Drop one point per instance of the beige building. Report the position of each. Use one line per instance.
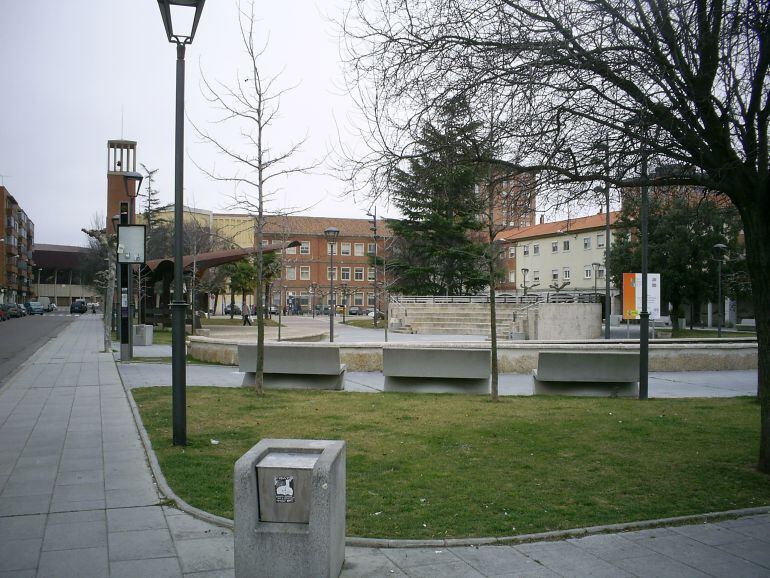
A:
(567, 254)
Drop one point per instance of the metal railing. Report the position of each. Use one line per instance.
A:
(539, 297)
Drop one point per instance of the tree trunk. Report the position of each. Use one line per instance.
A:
(757, 236)
(493, 327)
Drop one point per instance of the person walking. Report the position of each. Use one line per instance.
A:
(246, 312)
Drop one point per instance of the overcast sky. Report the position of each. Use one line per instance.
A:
(72, 70)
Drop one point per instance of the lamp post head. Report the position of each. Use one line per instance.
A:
(132, 177)
(331, 234)
(524, 271)
(180, 19)
(720, 248)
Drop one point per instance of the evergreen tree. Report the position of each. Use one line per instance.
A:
(434, 251)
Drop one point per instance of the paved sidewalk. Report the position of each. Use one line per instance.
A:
(77, 499)
(76, 494)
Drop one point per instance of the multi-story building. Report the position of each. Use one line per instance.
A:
(568, 254)
(306, 271)
(17, 235)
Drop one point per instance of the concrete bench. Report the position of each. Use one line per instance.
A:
(430, 370)
(293, 366)
(747, 325)
(587, 373)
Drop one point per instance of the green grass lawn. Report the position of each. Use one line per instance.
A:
(365, 322)
(434, 466)
(699, 334)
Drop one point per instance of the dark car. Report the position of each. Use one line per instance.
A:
(3, 313)
(33, 308)
(78, 306)
(354, 310)
(234, 308)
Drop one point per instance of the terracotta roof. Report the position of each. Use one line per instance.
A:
(554, 227)
(205, 260)
(295, 225)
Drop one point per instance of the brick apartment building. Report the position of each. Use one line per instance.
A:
(305, 272)
(17, 236)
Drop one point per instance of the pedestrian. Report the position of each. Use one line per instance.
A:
(246, 315)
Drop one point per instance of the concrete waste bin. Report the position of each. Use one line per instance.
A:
(143, 334)
(290, 509)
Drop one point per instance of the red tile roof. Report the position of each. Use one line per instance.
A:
(554, 227)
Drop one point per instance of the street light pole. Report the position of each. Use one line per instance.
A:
(524, 272)
(719, 250)
(331, 235)
(178, 306)
(644, 315)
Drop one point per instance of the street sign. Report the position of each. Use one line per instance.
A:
(131, 243)
(632, 295)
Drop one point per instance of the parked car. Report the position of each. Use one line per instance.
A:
(354, 310)
(51, 307)
(33, 308)
(78, 306)
(13, 310)
(235, 310)
(3, 313)
(272, 310)
(380, 314)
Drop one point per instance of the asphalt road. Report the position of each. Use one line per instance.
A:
(20, 338)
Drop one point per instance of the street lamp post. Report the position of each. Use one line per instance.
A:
(719, 251)
(606, 190)
(313, 289)
(524, 273)
(173, 13)
(596, 266)
(331, 235)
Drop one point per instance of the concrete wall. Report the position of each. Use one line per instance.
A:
(521, 356)
(563, 321)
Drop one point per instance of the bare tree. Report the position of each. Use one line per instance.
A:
(104, 248)
(669, 81)
(253, 104)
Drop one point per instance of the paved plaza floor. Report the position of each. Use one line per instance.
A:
(77, 497)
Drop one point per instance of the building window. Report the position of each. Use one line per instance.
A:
(358, 274)
(345, 274)
(535, 276)
(291, 273)
(555, 247)
(511, 276)
(330, 272)
(304, 248)
(370, 274)
(565, 245)
(358, 299)
(370, 249)
(600, 273)
(291, 250)
(304, 273)
(525, 250)
(600, 241)
(587, 273)
(586, 242)
(345, 249)
(304, 299)
(565, 273)
(511, 252)
(358, 249)
(331, 248)
(554, 274)
(370, 299)
(536, 249)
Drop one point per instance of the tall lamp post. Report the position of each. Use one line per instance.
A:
(331, 235)
(175, 14)
(596, 266)
(313, 289)
(524, 273)
(719, 250)
(606, 190)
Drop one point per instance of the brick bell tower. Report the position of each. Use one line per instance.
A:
(121, 159)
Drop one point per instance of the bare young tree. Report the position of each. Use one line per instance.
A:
(664, 81)
(253, 105)
(104, 248)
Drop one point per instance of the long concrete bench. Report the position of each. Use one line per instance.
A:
(430, 370)
(293, 366)
(583, 373)
(747, 325)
